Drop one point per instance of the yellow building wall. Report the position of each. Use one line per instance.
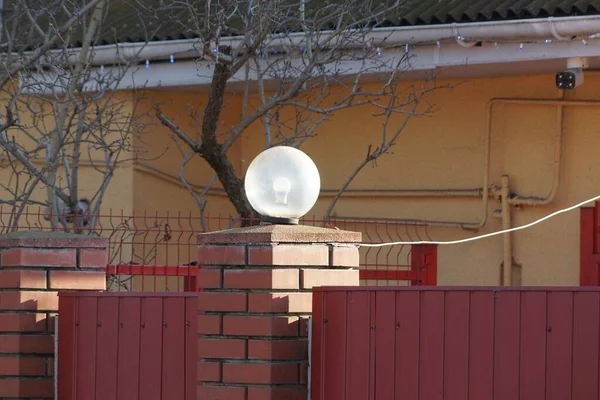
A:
(441, 151)
(119, 196)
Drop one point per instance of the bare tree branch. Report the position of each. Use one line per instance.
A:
(295, 59)
(62, 116)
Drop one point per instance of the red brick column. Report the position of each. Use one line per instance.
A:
(34, 266)
(255, 305)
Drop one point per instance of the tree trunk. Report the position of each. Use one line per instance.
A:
(212, 151)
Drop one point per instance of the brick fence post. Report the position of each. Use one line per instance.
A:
(255, 302)
(34, 266)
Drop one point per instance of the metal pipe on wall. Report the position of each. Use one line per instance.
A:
(507, 239)
(360, 192)
(537, 201)
(487, 189)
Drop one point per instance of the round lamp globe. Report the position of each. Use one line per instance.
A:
(282, 184)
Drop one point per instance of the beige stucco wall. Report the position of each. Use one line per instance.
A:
(119, 195)
(442, 151)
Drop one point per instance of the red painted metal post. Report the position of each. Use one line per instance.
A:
(316, 357)
(66, 347)
(430, 278)
(423, 265)
(589, 270)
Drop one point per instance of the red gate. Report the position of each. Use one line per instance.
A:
(127, 346)
(590, 246)
(420, 343)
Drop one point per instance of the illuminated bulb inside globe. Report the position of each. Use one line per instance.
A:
(281, 187)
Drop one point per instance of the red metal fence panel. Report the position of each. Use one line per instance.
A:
(127, 346)
(424, 343)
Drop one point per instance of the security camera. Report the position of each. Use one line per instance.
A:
(573, 75)
(569, 78)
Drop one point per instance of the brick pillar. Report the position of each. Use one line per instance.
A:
(255, 305)
(34, 266)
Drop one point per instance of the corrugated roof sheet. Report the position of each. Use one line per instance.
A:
(158, 20)
(428, 12)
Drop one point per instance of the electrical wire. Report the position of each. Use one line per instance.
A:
(487, 235)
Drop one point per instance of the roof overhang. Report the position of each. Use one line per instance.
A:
(452, 50)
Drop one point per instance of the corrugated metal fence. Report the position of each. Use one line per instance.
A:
(127, 346)
(423, 343)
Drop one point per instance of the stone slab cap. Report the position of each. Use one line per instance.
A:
(47, 239)
(279, 234)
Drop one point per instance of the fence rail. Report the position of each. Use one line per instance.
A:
(155, 250)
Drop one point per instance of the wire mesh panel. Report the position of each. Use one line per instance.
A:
(157, 251)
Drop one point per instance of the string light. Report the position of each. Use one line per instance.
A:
(378, 50)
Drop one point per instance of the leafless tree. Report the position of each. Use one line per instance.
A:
(301, 62)
(61, 113)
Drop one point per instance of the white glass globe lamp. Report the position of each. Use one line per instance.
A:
(282, 184)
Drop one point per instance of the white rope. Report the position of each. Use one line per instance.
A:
(487, 235)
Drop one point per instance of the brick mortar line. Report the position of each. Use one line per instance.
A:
(40, 311)
(28, 355)
(38, 290)
(25, 289)
(26, 334)
(51, 268)
(28, 398)
(17, 246)
(23, 377)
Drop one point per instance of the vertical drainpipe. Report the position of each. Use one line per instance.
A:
(506, 224)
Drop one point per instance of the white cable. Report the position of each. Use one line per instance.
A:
(487, 235)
